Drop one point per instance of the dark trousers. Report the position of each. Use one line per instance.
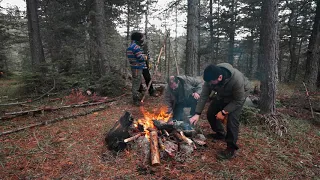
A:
(147, 78)
(178, 108)
(232, 122)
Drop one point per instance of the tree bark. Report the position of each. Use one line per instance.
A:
(268, 55)
(101, 36)
(36, 47)
(192, 37)
(312, 66)
(292, 23)
(232, 33)
(211, 34)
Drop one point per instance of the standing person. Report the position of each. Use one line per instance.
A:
(232, 88)
(181, 92)
(147, 78)
(137, 62)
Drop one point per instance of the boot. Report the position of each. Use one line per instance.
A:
(218, 136)
(228, 153)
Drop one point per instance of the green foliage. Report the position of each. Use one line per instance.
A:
(249, 116)
(111, 85)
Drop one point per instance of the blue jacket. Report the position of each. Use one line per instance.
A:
(136, 57)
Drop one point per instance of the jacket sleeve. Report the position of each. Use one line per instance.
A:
(196, 84)
(203, 98)
(138, 53)
(239, 96)
(168, 100)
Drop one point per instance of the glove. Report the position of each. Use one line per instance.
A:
(222, 116)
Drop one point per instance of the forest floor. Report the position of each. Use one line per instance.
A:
(74, 148)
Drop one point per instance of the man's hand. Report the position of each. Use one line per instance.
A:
(194, 119)
(221, 115)
(196, 95)
(146, 57)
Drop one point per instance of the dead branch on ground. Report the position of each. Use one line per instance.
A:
(11, 115)
(54, 120)
(32, 100)
(307, 93)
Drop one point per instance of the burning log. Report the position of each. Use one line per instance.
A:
(133, 137)
(154, 148)
(182, 137)
(119, 132)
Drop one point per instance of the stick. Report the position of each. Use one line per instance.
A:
(185, 139)
(166, 132)
(133, 137)
(154, 149)
(11, 115)
(182, 137)
(54, 120)
(308, 99)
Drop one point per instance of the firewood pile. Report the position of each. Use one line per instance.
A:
(156, 136)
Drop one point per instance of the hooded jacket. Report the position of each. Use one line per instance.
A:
(187, 85)
(233, 90)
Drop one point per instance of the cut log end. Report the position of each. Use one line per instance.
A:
(154, 148)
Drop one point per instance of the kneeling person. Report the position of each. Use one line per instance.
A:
(181, 92)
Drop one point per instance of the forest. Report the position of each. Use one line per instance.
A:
(65, 81)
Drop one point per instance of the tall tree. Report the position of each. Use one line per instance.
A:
(312, 63)
(268, 54)
(210, 19)
(232, 30)
(101, 36)
(35, 41)
(192, 45)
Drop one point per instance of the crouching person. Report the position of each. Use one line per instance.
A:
(232, 88)
(182, 91)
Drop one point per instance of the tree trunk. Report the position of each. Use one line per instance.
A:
(128, 30)
(269, 55)
(101, 36)
(211, 34)
(36, 47)
(232, 33)
(292, 45)
(312, 66)
(218, 33)
(250, 68)
(192, 37)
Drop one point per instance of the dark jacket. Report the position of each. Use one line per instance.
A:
(188, 85)
(232, 91)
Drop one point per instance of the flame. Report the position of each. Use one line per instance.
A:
(147, 122)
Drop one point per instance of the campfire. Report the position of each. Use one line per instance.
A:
(157, 132)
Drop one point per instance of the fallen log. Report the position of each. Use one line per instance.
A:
(154, 148)
(11, 115)
(54, 120)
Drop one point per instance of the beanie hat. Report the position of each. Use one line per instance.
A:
(211, 72)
